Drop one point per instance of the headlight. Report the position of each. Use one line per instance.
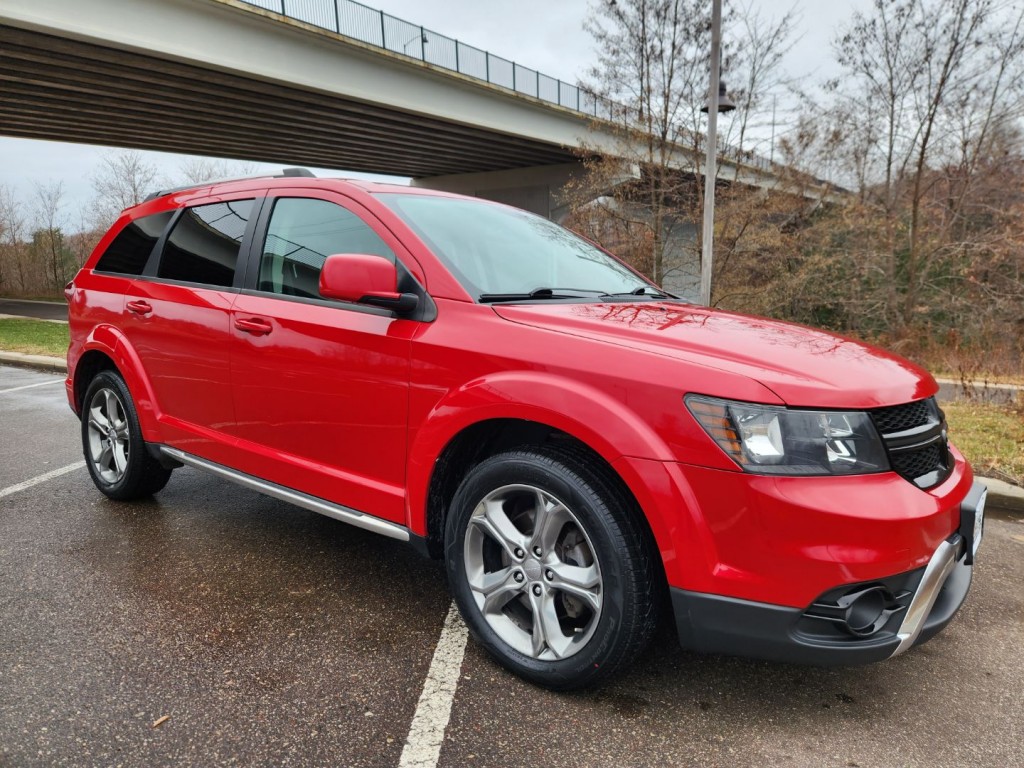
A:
(772, 440)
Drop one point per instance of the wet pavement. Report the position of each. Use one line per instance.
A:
(269, 635)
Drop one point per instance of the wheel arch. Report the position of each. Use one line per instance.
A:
(496, 414)
(107, 349)
(89, 364)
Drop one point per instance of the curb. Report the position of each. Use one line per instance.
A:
(39, 362)
(51, 302)
(982, 384)
(26, 317)
(1001, 495)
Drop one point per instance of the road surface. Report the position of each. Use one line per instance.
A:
(41, 310)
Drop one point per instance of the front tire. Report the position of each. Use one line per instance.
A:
(115, 452)
(550, 567)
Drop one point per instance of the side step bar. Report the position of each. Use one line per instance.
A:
(312, 503)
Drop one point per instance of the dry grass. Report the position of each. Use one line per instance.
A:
(990, 436)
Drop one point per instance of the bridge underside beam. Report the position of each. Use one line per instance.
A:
(70, 90)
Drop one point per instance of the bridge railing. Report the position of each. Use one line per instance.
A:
(374, 27)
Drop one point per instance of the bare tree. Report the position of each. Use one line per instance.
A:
(756, 74)
(123, 179)
(197, 170)
(83, 238)
(653, 61)
(936, 78)
(48, 238)
(647, 62)
(925, 125)
(12, 237)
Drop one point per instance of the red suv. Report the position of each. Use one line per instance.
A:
(585, 452)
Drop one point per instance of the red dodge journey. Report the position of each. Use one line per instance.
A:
(587, 453)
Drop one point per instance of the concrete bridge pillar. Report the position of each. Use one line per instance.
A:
(539, 189)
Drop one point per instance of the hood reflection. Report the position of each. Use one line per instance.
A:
(802, 365)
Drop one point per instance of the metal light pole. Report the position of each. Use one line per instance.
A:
(710, 171)
(423, 41)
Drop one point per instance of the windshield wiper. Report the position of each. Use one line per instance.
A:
(536, 293)
(643, 290)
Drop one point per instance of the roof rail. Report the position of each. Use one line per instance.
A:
(285, 173)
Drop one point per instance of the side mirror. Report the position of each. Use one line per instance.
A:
(363, 278)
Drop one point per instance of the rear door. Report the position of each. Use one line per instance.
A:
(177, 319)
(320, 386)
(100, 300)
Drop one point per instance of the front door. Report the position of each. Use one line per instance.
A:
(320, 387)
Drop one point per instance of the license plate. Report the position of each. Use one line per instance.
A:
(979, 522)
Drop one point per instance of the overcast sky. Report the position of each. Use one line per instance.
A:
(541, 34)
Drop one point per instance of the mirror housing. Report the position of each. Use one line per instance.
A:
(364, 278)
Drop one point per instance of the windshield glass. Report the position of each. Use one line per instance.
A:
(494, 250)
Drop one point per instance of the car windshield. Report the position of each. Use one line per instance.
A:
(501, 253)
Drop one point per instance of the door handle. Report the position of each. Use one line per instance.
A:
(139, 307)
(254, 325)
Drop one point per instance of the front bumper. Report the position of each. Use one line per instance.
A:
(918, 605)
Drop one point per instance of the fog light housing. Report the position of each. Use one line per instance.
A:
(861, 613)
(866, 611)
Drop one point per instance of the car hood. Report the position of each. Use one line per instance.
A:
(803, 366)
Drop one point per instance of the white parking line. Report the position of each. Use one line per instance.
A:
(423, 745)
(29, 386)
(41, 478)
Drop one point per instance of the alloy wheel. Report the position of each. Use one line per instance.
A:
(533, 572)
(108, 436)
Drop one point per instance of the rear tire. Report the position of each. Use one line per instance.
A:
(551, 568)
(115, 453)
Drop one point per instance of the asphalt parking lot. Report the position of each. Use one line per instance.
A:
(41, 310)
(268, 635)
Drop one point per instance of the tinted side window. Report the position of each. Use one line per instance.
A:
(203, 246)
(129, 251)
(301, 235)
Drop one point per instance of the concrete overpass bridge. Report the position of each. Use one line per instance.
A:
(325, 83)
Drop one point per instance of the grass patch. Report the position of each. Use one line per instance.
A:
(33, 337)
(990, 436)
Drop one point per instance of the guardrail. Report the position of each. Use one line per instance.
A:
(374, 27)
(368, 25)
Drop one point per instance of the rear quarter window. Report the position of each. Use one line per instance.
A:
(128, 253)
(204, 244)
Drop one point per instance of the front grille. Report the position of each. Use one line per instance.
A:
(915, 439)
(902, 417)
(914, 464)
